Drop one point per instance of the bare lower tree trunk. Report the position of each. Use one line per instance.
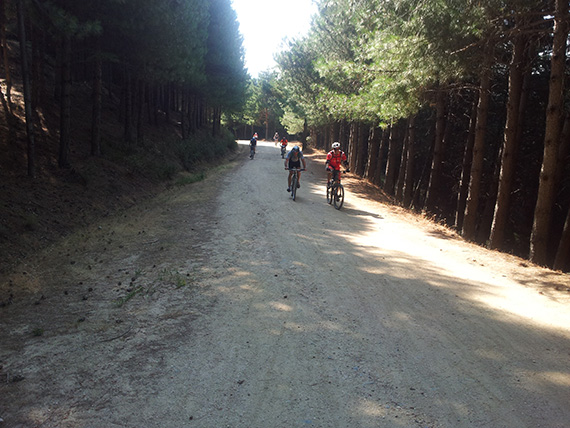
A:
(362, 143)
(486, 221)
(97, 101)
(563, 253)
(438, 154)
(472, 209)
(65, 110)
(403, 164)
(544, 203)
(140, 102)
(410, 164)
(11, 121)
(510, 144)
(128, 108)
(394, 150)
(374, 144)
(466, 171)
(352, 148)
(380, 168)
(27, 95)
(5, 58)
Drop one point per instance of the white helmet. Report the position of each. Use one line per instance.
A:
(336, 145)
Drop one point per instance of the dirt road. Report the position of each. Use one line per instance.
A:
(226, 304)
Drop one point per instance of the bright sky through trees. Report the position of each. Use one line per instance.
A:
(265, 23)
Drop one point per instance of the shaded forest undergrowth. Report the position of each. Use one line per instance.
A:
(36, 212)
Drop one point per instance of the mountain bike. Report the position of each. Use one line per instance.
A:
(335, 190)
(294, 181)
(251, 151)
(283, 150)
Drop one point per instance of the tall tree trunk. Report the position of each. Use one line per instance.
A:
(140, 103)
(466, 171)
(11, 121)
(5, 57)
(38, 54)
(562, 257)
(217, 121)
(403, 165)
(65, 106)
(472, 209)
(484, 229)
(563, 254)
(342, 138)
(362, 142)
(380, 167)
(27, 96)
(97, 100)
(410, 163)
(128, 107)
(510, 144)
(434, 190)
(394, 150)
(266, 124)
(543, 209)
(184, 115)
(352, 148)
(374, 144)
(563, 150)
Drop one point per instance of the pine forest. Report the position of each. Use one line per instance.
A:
(456, 109)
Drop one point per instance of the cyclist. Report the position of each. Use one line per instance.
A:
(276, 138)
(252, 145)
(335, 158)
(284, 143)
(293, 160)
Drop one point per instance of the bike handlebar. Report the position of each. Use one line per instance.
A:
(295, 169)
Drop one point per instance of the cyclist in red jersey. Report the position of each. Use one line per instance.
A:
(335, 158)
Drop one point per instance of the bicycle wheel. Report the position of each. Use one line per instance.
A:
(294, 186)
(338, 196)
(329, 193)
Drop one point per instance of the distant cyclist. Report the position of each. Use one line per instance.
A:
(252, 145)
(276, 138)
(284, 143)
(335, 158)
(293, 160)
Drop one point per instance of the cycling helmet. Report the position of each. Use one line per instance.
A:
(296, 149)
(336, 145)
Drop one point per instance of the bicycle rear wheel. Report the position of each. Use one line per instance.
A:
(338, 196)
(294, 186)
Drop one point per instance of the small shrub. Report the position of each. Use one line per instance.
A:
(120, 302)
(184, 180)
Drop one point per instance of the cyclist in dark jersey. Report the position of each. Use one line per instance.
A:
(293, 160)
(252, 145)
